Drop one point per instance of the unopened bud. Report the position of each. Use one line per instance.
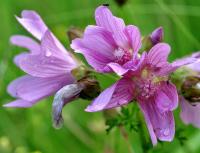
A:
(73, 33)
(157, 35)
(91, 88)
(191, 88)
(121, 2)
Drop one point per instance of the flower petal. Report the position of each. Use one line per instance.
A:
(134, 38)
(19, 103)
(43, 66)
(33, 89)
(33, 23)
(167, 97)
(50, 46)
(160, 125)
(158, 54)
(96, 50)
(104, 18)
(190, 113)
(20, 57)
(26, 42)
(120, 93)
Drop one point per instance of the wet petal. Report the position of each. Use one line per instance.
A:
(190, 113)
(167, 97)
(33, 23)
(160, 125)
(43, 66)
(120, 93)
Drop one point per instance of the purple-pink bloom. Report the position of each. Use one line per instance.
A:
(48, 64)
(190, 111)
(146, 80)
(109, 41)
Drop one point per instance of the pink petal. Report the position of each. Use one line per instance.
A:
(33, 89)
(160, 125)
(118, 69)
(96, 50)
(190, 113)
(134, 38)
(19, 103)
(184, 61)
(120, 93)
(167, 97)
(20, 57)
(43, 66)
(158, 54)
(101, 32)
(50, 46)
(33, 23)
(26, 42)
(105, 19)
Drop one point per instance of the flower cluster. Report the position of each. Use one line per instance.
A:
(110, 46)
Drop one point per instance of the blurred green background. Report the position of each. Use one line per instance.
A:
(30, 130)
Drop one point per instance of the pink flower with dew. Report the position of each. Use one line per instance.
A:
(48, 64)
(146, 80)
(109, 41)
(190, 110)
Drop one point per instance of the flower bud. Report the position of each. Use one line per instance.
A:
(191, 88)
(73, 33)
(121, 2)
(91, 88)
(157, 35)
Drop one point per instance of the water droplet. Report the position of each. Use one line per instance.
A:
(48, 54)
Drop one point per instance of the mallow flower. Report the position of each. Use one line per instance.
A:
(108, 42)
(47, 63)
(147, 82)
(190, 93)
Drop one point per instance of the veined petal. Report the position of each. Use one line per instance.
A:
(50, 46)
(101, 32)
(158, 54)
(134, 38)
(19, 103)
(120, 93)
(190, 113)
(104, 18)
(33, 23)
(160, 125)
(33, 89)
(20, 57)
(26, 42)
(118, 69)
(167, 97)
(44, 66)
(96, 50)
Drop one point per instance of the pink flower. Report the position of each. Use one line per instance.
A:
(48, 64)
(190, 106)
(110, 41)
(146, 80)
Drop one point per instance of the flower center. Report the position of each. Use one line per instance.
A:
(147, 83)
(122, 56)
